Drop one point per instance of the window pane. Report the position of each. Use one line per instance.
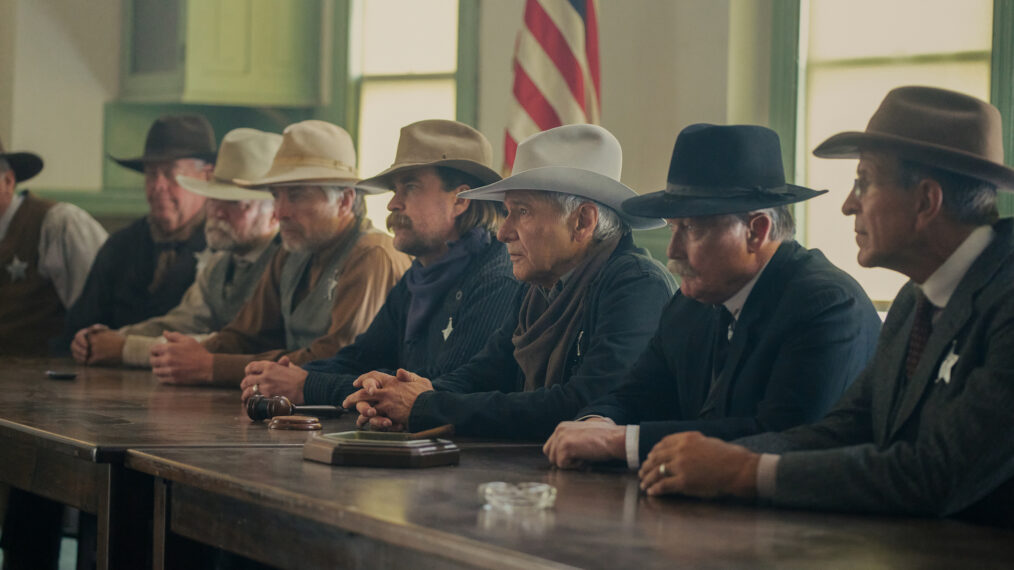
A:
(386, 107)
(843, 99)
(845, 29)
(409, 36)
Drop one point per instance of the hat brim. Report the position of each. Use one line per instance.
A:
(384, 182)
(850, 144)
(24, 164)
(300, 175)
(137, 164)
(220, 190)
(567, 180)
(673, 205)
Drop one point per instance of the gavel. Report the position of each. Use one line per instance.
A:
(260, 407)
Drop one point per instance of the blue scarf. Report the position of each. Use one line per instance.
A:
(427, 285)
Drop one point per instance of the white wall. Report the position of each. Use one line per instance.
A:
(64, 65)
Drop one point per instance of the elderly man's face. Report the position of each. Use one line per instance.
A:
(540, 240)
(171, 206)
(710, 256)
(239, 225)
(885, 213)
(307, 218)
(423, 214)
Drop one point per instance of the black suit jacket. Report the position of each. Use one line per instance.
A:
(806, 331)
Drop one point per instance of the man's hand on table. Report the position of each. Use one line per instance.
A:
(699, 466)
(595, 439)
(384, 401)
(181, 360)
(282, 378)
(97, 344)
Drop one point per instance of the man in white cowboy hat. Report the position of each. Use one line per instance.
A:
(321, 289)
(46, 249)
(926, 428)
(143, 269)
(458, 290)
(590, 303)
(240, 227)
(764, 334)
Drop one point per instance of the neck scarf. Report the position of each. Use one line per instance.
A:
(168, 244)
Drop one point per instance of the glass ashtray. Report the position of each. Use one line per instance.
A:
(517, 497)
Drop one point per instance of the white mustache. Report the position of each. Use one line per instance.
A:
(680, 268)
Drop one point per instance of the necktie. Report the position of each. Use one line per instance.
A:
(922, 326)
(722, 336)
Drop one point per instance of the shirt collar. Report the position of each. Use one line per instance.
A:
(944, 281)
(5, 220)
(252, 255)
(735, 303)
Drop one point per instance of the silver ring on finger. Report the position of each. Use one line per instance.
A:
(256, 388)
(662, 470)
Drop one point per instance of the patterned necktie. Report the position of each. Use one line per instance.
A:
(922, 326)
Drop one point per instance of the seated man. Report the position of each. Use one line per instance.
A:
(764, 334)
(46, 250)
(143, 269)
(926, 428)
(325, 285)
(240, 226)
(458, 290)
(589, 307)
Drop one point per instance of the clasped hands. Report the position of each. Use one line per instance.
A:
(385, 401)
(97, 345)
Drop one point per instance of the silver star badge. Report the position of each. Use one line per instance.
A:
(448, 329)
(17, 269)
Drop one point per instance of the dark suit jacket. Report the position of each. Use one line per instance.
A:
(806, 331)
(947, 447)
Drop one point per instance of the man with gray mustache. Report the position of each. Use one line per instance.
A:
(239, 227)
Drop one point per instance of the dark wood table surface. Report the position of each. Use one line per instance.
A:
(282, 510)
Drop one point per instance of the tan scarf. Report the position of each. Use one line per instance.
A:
(166, 245)
(546, 329)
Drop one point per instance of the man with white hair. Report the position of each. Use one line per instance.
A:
(240, 228)
(590, 303)
(321, 290)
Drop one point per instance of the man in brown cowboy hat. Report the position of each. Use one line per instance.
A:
(458, 289)
(325, 285)
(144, 269)
(46, 249)
(764, 334)
(240, 229)
(926, 428)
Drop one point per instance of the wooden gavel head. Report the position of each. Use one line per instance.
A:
(261, 407)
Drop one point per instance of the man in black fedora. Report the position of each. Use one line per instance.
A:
(926, 428)
(144, 269)
(763, 331)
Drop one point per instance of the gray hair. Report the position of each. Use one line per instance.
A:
(335, 192)
(968, 200)
(609, 225)
(783, 225)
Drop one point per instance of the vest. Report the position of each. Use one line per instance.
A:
(30, 309)
(224, 302)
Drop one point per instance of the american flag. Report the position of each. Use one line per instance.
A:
(556, 70)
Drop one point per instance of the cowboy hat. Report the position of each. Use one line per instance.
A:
(24, 164)
(173, 137)
(245, 153)
(312, 152)
(722, 170)
(940, 128)
(582, 160)
(437, 142)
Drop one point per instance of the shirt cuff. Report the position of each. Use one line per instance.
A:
(767, 473)
(136, 349)
(633, 445)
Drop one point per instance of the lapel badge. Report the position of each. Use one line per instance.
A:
(944, 374)
(17, 269)
(449, 328)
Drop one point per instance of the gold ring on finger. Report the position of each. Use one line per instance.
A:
(662, 470)
(256, 388)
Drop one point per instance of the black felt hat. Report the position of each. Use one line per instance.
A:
(722, 170)
(173, 137)
(24, 164)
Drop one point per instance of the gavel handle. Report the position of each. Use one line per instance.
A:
(317, 410)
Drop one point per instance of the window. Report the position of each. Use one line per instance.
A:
(851, 54)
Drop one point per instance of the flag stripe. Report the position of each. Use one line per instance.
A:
(591, 26)
(544, 75)
(531, 98)
(551, 36)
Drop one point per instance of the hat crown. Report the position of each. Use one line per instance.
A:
(943, 118)
(585, 147)
(179, 136)
(434, 140)
(733, 156)
(315, 142)
(246, 153)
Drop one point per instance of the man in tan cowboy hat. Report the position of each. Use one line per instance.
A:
(764, 334)
(589, 306)
(458, 290)
(144, 269)
(46, 249)
(325, 285)
(240, 227)
(926, 428)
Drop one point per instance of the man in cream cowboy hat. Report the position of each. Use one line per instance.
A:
(590, 303)
(320, 290)
(240, 227)
(763, 333)
(458, 290)
(926, 428)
